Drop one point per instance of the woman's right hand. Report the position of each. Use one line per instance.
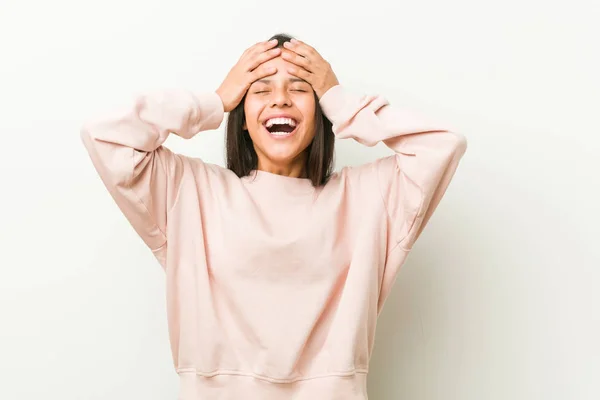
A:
(248, 69)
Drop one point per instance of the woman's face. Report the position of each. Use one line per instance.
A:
(280, 117)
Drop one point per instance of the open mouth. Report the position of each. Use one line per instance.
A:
(281, 127)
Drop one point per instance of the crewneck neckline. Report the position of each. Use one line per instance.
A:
(276, 181)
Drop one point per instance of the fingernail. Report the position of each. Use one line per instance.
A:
(287, 44)
(294, 40)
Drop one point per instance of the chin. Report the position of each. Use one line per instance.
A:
(278, 149)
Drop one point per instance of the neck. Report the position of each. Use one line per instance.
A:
(294, 169)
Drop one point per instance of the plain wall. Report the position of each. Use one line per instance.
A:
(499, 298)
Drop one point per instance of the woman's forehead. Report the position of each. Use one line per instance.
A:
(282, 76)
(279, 63)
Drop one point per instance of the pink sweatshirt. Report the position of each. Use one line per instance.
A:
(273, 286)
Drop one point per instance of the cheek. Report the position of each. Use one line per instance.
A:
(306, 104)
(307, 108)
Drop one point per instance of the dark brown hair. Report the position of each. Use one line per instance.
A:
(241, 156)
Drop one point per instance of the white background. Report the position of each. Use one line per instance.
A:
(500, 298)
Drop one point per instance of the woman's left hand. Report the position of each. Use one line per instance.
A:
(310, 66)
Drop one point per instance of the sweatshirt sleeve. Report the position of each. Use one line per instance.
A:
(142, 175)
(411, 182)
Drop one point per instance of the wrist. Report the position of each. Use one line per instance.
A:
(335, 100)
(326, 88)
(218, 92)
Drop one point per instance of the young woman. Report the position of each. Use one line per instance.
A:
(276, 268)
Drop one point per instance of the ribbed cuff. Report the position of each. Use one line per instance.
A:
(337, 101)
(212, 107)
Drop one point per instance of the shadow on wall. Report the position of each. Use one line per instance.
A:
(418, 326)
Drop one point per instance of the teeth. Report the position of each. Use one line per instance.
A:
(280, 133)
(280, 121)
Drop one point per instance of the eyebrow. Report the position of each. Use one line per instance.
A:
(291, 80)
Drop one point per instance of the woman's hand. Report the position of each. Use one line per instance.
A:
(310, 66)
(247, 70)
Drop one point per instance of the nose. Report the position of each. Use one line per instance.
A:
(280, 98)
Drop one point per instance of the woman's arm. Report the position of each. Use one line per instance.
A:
(413, 181)
(126, 150)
